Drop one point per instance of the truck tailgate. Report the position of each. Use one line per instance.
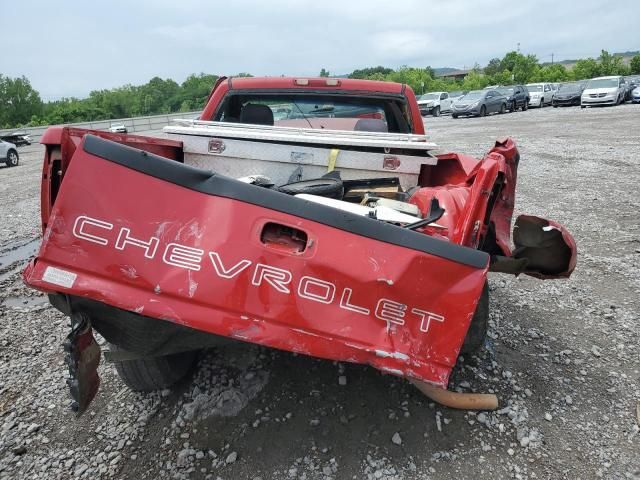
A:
(142, 233)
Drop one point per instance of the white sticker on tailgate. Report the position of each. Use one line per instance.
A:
(59, 277)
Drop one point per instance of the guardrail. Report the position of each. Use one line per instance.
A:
(133, 124)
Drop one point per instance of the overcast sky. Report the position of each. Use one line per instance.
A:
(68, 48)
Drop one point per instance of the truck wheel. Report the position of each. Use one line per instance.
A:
(478, 328)
(154, 373)
(12, 158)
(436, 111)
(542, 103)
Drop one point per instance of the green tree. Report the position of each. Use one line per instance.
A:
(508, 62)
(525, 68)
(501, 78)
(324, 73)
(634, 65)
(552, 73)
(414, 77)
(475, 81)
(195, 90)
(18, 101)
(493, 67)
(368, 73)
(585, 69)
(611, 64)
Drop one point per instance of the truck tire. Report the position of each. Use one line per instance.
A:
(436, 111)
(12, 158)
(478, 328)
(323, 187)
(154, 373)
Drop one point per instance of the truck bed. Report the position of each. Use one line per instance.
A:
(205, 251)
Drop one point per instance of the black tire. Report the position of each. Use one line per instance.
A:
(154, 373)
(542, 103)
(436, 111)
(324, 187)
(483, 111)
(514, 106)
(525, 105)
(583, 106)
(503, 108)
(453, 115)
(478, 329)
(13, 159)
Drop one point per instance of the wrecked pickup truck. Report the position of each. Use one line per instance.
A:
(308, 215)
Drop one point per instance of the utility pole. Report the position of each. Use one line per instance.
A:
(518, 47)
(552, 59)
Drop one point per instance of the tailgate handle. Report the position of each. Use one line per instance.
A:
(284, 238)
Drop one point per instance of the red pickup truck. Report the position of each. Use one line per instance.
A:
(347, 237)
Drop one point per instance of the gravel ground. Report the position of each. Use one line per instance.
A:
(562, 355)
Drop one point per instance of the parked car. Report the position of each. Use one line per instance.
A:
(635, 95)
(568, 94)
(604, 91)
(19, 138)
(540, 94)
(118, 128)
(434, 103)
(9, 154)
(633, 81)
(478, 103)
(517, 97)
(455, 95)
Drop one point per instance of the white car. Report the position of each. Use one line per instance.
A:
(118, 128)
(9, 154)
(434, 103)
(635, 95)
(540, 94)
(604, 91)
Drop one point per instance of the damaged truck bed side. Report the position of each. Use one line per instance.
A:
(382, 261)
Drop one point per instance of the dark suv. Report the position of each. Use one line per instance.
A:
(517, 96)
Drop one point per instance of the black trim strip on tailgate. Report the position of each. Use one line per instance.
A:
(209, 183)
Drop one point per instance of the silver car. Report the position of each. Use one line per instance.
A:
(609, 90)
(9, 154)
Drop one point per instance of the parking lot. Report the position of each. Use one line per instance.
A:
(563, 356)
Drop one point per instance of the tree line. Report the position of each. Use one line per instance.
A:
(513, 68)
(21, 105)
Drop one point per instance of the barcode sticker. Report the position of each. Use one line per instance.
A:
(59, 277)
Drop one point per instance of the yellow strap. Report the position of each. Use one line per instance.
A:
(333, 156)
